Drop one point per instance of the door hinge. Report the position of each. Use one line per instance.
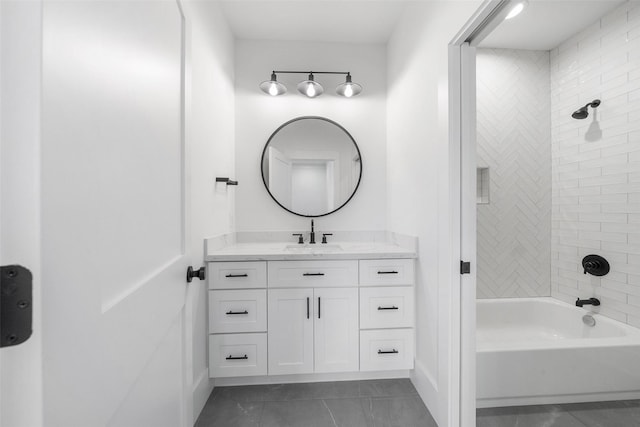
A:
(465, 267)
(15, 305)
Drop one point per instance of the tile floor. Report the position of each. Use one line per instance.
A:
(385, 403)
(375, 403)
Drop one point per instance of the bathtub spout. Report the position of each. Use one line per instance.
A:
(590, 301)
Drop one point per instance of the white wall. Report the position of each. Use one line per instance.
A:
(258, 115)
(210, 137)
(417, 179)
(596, 163)
(514, 142)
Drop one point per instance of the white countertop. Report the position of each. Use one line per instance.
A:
(264, 251)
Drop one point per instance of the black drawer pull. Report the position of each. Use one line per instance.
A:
(238, 312)
(245, 357)
(307, 307)
(237, 275)
(313, 274)
(394, 351)
(387, 272)
(393, 307)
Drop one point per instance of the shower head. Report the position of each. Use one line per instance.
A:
(583, 113)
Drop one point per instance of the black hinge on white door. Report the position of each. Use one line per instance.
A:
(465, 267)
(15, 305)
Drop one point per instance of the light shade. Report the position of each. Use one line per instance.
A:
(348, 88)
(273, 87)
(310, 88)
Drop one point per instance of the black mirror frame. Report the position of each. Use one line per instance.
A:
(305, 118)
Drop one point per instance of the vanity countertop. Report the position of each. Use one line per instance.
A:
(265, 251)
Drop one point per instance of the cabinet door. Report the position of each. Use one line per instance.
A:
(290, 331)
(336, 329)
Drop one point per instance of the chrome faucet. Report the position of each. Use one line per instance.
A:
(312, 235)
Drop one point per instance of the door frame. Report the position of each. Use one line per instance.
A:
(462, 167)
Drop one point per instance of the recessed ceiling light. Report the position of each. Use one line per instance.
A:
(517, 7)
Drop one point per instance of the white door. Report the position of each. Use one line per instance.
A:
(280, 176)
(336, 330)
(112, 214)
(20, 89)
(290, 333)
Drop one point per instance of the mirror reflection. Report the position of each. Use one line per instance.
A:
(311, 166)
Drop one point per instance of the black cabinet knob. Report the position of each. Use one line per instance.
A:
(198, 274)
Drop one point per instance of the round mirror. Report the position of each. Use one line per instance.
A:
(311, 166)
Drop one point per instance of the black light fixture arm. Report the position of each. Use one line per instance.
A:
(311, 72)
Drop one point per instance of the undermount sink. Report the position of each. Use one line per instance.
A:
(317, 248)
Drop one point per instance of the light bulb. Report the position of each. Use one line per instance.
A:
(348, 91)
(273, 89)
(311, 91)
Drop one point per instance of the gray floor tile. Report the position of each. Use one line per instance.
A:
(229, 413)
(297, 413)
(623, 413)
(322, 390)
(405, 411)
(349, 412)
(387, 388)
(526, 416)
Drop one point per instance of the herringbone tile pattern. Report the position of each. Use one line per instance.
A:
(514, 141)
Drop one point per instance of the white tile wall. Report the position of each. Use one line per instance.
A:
(596, 163)
(514, 142)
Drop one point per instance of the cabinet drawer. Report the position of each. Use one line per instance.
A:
(387, 349)
(237, 355)
(238, 311)
(289, 274)
(386, 272)
(389, 307)
(237, 275)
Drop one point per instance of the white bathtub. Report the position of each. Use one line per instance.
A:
(539, 351)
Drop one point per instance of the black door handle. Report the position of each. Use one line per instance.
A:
(191, 273)
(307, 307)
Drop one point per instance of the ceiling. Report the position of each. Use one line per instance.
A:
(343, 21)
(543, 25)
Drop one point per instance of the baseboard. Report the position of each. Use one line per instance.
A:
(556, 399)
(310, 378)
(427, 389)
(202, 388)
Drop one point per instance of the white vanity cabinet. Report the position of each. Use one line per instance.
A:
(386, 314)
(310, 316)
(237, 319)
(313, 330)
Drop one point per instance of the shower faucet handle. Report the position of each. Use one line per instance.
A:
(595, 265)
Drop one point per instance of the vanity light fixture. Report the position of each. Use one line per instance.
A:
(273, 87)
(310, 87)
